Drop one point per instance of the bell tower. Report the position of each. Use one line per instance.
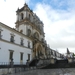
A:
(23, 18)
(29, 24)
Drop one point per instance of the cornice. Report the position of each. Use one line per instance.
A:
(27, 21)
(24, 8)
(13, 30)
(14, 44)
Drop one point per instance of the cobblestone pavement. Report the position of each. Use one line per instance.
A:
(62, 71)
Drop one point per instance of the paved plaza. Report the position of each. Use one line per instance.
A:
(62, 71)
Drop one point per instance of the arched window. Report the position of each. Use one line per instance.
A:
(21, 31)
(36, 35)
(42, 40)
(29, 16)
(28, 32)
(22, 16)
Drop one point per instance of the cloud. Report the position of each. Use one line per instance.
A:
(58, 17)
(59, 25)
(8, 11)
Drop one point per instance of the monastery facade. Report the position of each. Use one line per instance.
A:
(24, 42)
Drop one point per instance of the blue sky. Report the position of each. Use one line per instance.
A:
(58, 17)
(55, 4)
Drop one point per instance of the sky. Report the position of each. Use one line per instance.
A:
(58, 17)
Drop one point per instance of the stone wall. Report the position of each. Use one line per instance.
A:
(61, 71)
(6, 71)
(71, 60)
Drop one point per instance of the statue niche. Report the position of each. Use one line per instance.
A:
(36, 35)
(39, 52)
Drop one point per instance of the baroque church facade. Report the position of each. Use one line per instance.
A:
(26, 41)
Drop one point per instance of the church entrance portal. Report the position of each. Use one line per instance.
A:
(39, 51)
